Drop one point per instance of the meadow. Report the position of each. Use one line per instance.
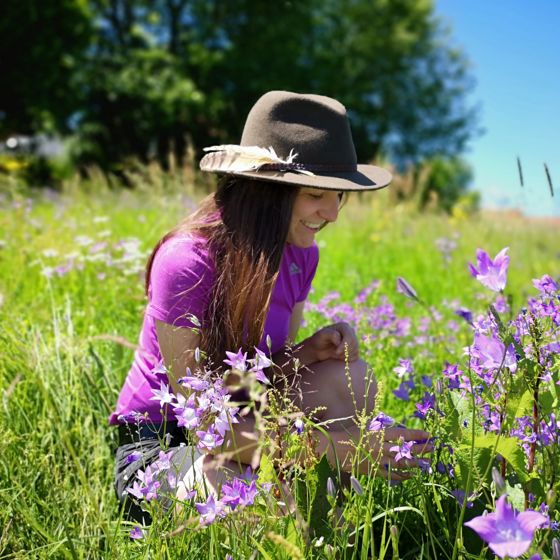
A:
(71, 303)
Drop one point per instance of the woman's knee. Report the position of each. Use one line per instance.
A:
(340, 386)
(364, 385)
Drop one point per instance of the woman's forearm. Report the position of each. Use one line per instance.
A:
(242, 443)
(300, 353)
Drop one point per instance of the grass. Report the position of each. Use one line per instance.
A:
(67, 341)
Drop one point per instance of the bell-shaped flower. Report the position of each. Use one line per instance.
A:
(507, 532)
(491, 273)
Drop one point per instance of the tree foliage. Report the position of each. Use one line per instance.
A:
(156, 75)
(42, 43)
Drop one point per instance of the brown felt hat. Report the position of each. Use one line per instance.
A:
(302, 139)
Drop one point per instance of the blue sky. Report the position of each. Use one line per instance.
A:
(514, 50)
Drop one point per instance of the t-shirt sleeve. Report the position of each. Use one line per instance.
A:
(180, 283)
(311, 263)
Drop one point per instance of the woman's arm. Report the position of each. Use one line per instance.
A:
(295, 321)
(327, 343)
(340, 447)
(177, 346)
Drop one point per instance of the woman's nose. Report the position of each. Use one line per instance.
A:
(329, 211)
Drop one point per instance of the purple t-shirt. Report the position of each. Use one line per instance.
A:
(181, 283)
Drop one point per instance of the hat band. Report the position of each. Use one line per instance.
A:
(312, 167)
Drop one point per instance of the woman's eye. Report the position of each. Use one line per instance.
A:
(316, 196)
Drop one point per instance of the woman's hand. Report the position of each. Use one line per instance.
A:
(391, 453)
(330, 343)
(396, 450)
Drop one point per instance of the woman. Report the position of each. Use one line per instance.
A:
(240, 268)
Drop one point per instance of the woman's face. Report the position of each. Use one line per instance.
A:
(313, 209)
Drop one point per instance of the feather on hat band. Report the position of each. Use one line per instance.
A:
(310, 128)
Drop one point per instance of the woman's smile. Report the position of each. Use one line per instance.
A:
(313, 210)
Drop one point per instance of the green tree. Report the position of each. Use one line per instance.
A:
(158, 74)
(444, 182)
(395, 68)
(41, 46)
(139, 97)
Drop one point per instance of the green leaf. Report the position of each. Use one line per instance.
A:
(507, 447)
(320, 506)
(460, 411)
(516, 496)
(521, 406)
(475, 466)
(547, 402)
(266, 470)
(265, 555)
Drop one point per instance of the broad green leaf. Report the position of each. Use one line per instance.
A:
(266, 470)
(521, 406)
(461, 412)
(516, 496)
(474, 467)
(320, 506)
(508, 448)
(547, 402)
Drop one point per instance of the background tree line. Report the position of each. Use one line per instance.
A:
(145, 78)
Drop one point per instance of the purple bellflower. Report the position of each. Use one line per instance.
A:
(136, 533)
(405, 367)
(507, 532)
(545, 285)
(193, 382)
(428, 403)
(403, 450)
(380, 422)
(237, 361)
(239, 493)
(163, 395)
(260, 361)
(491, 353)
(261, 377)
(491, 273)
(465, 313)
(209, 439)
(210, 510)
(133, 457)
(402, 392)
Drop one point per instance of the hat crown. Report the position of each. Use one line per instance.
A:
(313, 126)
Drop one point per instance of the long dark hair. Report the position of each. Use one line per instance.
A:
(245, 223)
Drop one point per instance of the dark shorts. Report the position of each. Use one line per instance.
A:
(146, 441)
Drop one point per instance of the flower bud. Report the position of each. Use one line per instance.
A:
(498, 480)
(405, 288)
(356, 486)
(551, 498)
(555, 549)
(331, 489)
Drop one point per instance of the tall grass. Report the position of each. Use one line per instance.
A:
(71, 302)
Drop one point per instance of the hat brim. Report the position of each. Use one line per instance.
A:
(365, 178)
